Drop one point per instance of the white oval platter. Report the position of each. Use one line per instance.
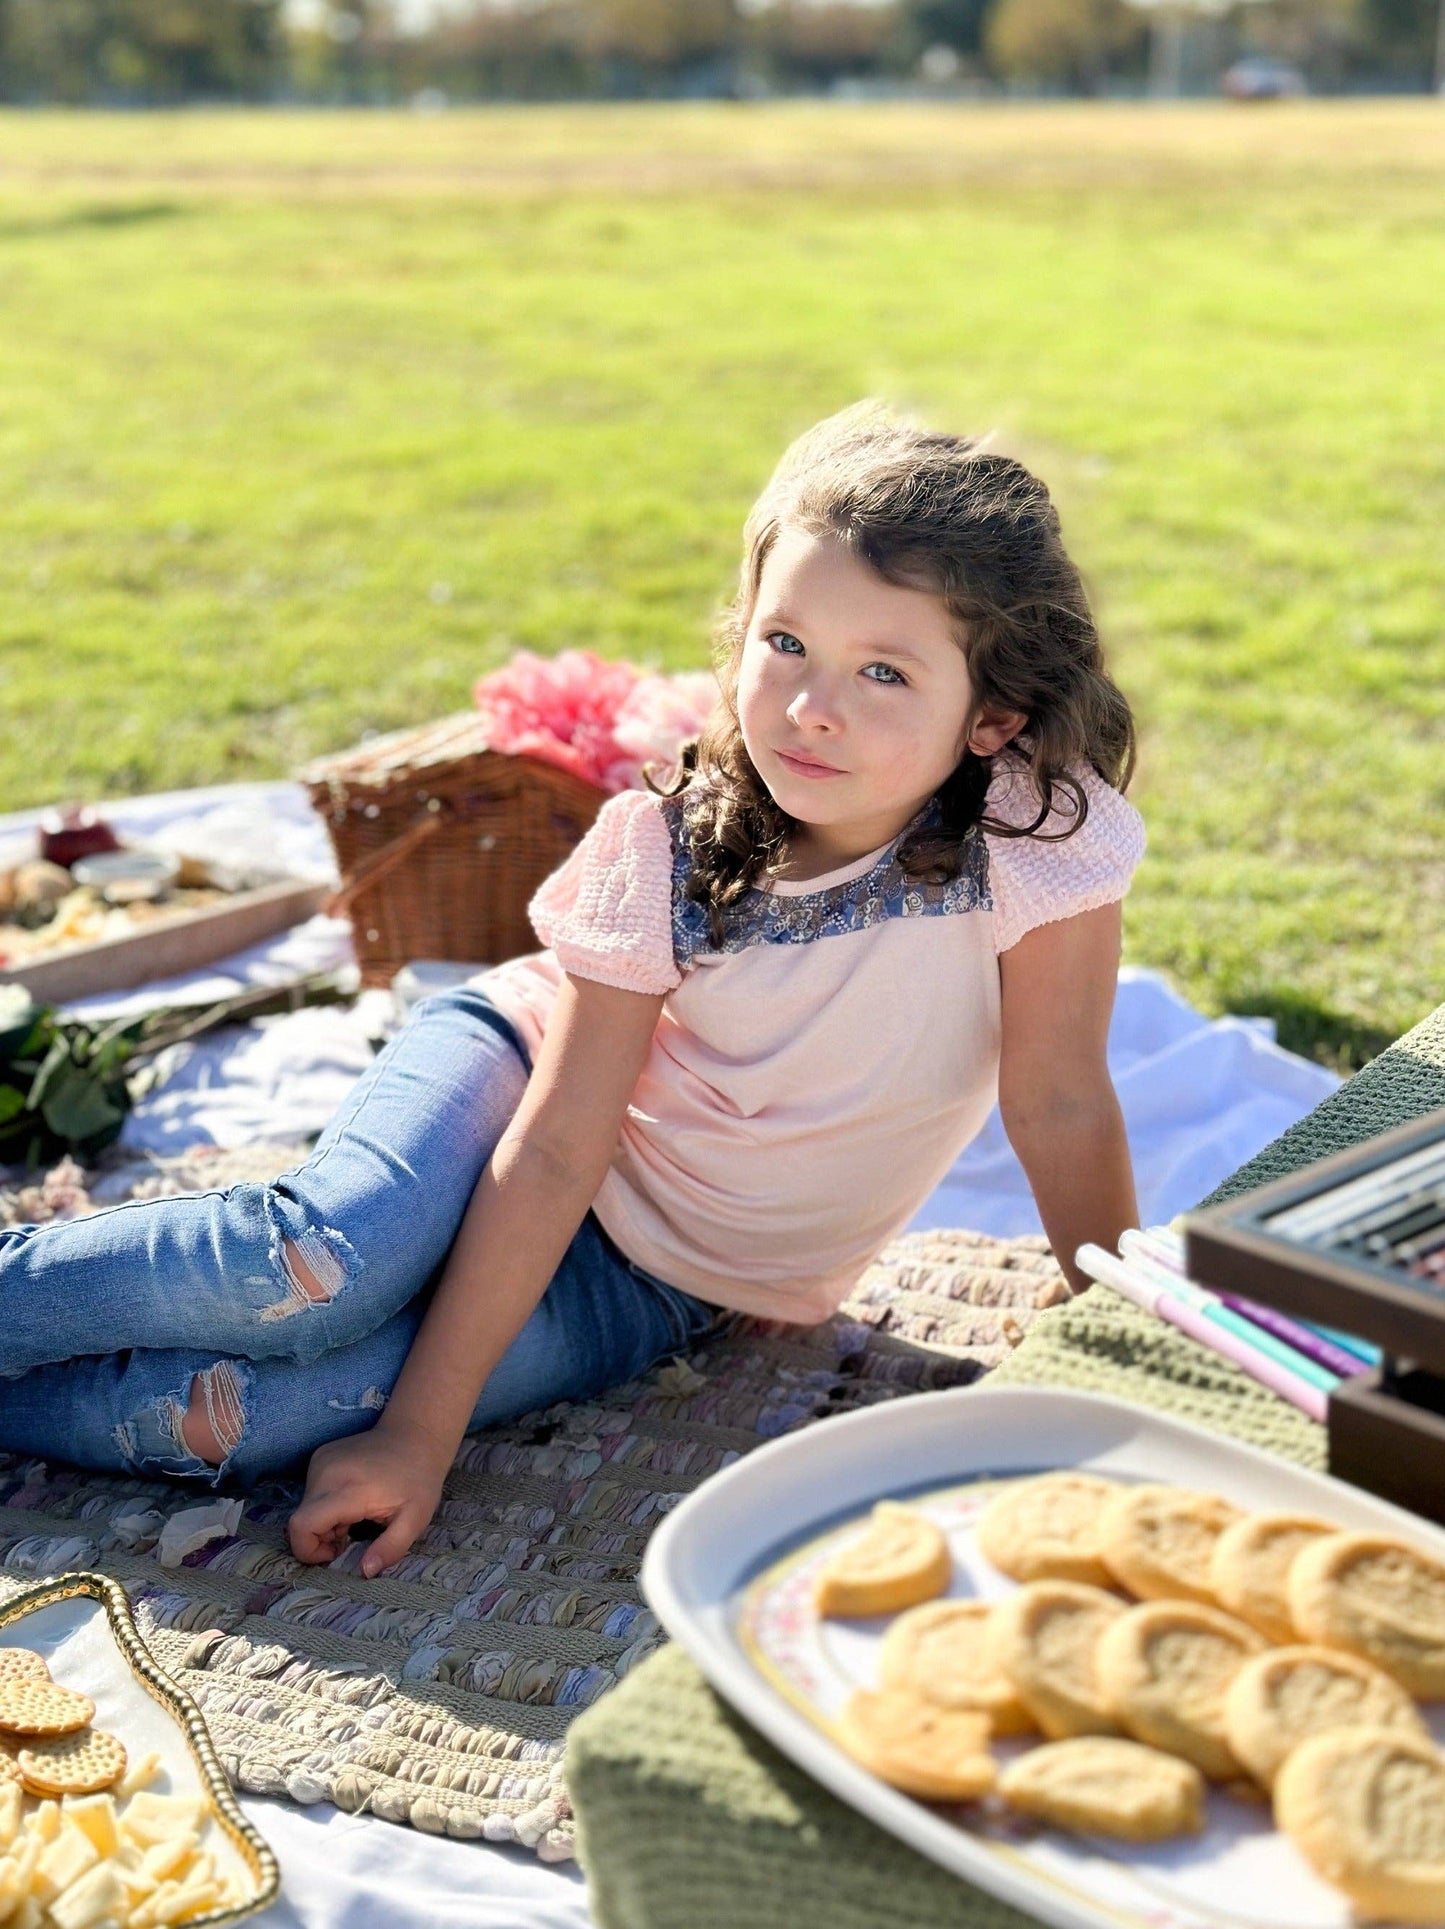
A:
(730, 1571)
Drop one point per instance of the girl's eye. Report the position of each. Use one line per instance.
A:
(776, 639)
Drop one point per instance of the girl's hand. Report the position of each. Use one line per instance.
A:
(383, 1475)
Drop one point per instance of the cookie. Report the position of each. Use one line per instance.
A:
(940, 1651)
(938, 1753)
(1158, 1542)
(1043, 1639)
(1377, 1597)
(1108, 1786)
(1250, 1567)
(901, 1557)
(80, 1764)
(32, 1706)
(1366, 1808)
(22, 1664)
(1048, 1529)
(1163, 1669)
(1279, 1698)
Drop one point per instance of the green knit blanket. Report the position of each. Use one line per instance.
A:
(687, 1819)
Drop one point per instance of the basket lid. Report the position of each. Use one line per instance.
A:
(381, 761)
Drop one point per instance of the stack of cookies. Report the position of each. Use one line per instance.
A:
(1159, 1640)
(82, 1845)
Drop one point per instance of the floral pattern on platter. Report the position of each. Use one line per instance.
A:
(780, 1627)
(884, 891)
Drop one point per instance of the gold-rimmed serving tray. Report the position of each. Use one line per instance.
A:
(82, 1624)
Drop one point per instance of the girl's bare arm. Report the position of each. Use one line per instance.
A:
(528, 1203)
(1057, 1101)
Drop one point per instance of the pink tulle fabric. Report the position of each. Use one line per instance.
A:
(1034, 883)
(601, 720)
(607, 913)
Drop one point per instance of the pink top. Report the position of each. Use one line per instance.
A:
(813, 1078)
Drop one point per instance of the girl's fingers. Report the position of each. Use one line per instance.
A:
(317, 1530)
(406, 1524)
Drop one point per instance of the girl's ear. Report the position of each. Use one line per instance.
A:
(994, 729)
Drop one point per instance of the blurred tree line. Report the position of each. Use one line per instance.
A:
(135, 52)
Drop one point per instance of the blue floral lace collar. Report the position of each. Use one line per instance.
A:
(883, 891)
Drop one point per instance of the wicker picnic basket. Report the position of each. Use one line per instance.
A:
(441, 842)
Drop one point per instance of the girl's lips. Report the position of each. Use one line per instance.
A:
(807, 770)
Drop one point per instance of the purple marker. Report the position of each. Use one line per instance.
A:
(1303, 1339)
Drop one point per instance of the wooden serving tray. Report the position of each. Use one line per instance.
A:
(169, 944)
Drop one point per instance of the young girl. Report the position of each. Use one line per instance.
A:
(775, 1005)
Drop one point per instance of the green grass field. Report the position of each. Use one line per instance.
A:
(306, 420)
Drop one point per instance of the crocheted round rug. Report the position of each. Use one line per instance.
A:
(440, 1694)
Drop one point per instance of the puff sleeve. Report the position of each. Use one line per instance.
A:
(606, 913)
(1035, 883)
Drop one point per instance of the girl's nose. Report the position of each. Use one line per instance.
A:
(814, 708)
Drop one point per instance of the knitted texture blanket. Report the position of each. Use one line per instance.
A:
(689, 1820)
(441, 1693)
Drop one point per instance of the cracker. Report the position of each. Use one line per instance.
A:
(22, 1664)
(1048, 1529)
(1249, 1569)
(1109, 1786)
(9, 1770)
(79, 1764)
(940, 1650)
(1164, 1668)
(1366, 1808)
(1280, 1698)
(1158, 1541)
(30, 1706)
(940, 1754)
(900, 1558)
(1378, 1597)
(1043, 1639)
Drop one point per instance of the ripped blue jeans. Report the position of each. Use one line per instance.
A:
(107, 1322)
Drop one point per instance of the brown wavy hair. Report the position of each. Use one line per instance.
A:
(929, 511)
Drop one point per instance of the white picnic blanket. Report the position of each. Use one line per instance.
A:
(1199, 1097)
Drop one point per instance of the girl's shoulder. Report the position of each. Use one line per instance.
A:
(1075, 859)
(606, 912)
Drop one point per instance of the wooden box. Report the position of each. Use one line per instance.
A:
(1355, 1242)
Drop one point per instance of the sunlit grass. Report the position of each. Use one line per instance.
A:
(306, 420)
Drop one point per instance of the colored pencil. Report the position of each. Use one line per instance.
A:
(1430, 1239)
(1157, 1243)
(1349, 1342)
(1214, 1308)
(1344, 1232)
(1326, 1212)
(1192, 1320)
(1411, 1241)
(1341, 1353)
(1335, 1359)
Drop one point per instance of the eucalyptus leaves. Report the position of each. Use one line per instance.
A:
(66, 1085)
(63, 1085)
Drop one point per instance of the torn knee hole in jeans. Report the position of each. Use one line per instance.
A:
(203, 1420)
(213, 1423)
(314, 1264)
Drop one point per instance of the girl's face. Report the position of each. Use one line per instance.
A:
(853, 696)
